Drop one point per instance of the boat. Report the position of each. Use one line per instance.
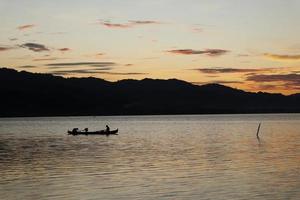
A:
(101, 132)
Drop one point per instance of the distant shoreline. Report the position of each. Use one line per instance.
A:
(25, 94)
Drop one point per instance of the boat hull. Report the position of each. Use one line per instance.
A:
(102, 132)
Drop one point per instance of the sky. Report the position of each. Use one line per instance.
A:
(251, 45)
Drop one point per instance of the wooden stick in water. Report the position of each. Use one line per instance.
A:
(258, 131)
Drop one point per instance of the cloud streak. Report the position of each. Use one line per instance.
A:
(35, 47)
(64, 49)
(218, 82)
(5, 48)
(26, 26)
(93, 64)
(115, 25)
(128, 65)
(143, 22)
(129, 24)
(290, 78)
(124, 73)
(286, 81)
(227, 82)
(94, 71)
(13, 39)
(209, 52)
(77, 71)
(197, 30)
(27, 67)
(47, 59)
(231, 70)
(282, 56)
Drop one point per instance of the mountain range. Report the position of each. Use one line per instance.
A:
(33, 94)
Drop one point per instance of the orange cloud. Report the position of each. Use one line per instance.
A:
(27, 26)
(46, 59)
(285, 81)
(209, 52)
(282, 56)
(4, 48)
(27, 66)
(294, 78)
(223, 82)
(232, 70)
(92, 64)
(94, 71)
(64, 49)
(128, 65)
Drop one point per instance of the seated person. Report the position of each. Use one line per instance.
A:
(107, 128)
(75, 130)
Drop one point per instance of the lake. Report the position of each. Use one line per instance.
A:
(153, 157)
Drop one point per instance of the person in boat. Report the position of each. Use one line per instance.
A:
(86, 129)
(75, 130)
(107, 128)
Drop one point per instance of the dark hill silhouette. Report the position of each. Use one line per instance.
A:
(34, 94)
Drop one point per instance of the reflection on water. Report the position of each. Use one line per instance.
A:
(154, 157)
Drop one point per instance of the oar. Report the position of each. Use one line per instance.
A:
(258, 131)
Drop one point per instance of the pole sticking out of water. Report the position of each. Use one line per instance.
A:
(258, 131)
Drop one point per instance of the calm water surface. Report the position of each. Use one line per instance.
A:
(153, 157)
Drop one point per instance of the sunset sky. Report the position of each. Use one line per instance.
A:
(251, 45)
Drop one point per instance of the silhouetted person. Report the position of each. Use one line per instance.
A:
(75, 130)
(86, 129)
(107, 128)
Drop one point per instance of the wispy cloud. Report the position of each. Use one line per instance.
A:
(64, 49)
(13, 39)
(218, 82)
(124, 73)
(231, 70)
(266, 87)
(209, 52)
(197, 30)
(40, 47)
(291, 78)
(94, 71)
(129, 24)
(35, 47)
(143, 22)
(77, 71)
(128, 65)
(26, 26)
(6, 48)
(47, 59)
(27, 66)
(115, 25)
(243, 55)
(282, 56)
(92, 64)
(275, 81)
(226, 82)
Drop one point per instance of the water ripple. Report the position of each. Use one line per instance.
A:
(158, 157)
